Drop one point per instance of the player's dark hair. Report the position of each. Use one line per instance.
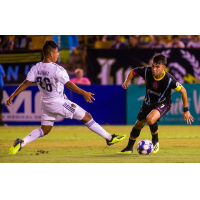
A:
(159, 58)
(49, 46)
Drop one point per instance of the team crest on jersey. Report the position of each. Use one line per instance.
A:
(155, 85)
(73, 105)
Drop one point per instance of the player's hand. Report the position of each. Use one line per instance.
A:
(88, 96)
(125, 85)
(9, 100)
(188, 117)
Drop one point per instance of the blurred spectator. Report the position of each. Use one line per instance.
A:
(6, 43)
(2, 75)
(107, 37)
(157, 44)
(166, 38)
(185, 39)
(194, 43)
(133, 42)
(80, 80)
(22, 42)
(118, 44)
(175, 43)
(143, 43)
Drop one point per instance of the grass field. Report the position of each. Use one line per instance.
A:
(77, 144)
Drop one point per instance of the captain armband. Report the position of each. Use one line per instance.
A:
(178, 87)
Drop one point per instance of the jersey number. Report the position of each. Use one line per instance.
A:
(47, 81)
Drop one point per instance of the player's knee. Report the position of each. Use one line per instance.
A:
(46, 130)
(150, 120)
(88, 116)
(46, 133)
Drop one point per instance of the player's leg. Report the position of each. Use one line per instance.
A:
(47, 123)
(74, 111)
(152, 118)
(152, 122)
(95, 127)
(35, 134)
(133, 136)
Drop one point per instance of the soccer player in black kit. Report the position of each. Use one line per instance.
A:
(157, 100)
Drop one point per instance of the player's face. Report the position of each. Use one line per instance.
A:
(157, 69)
(55, 55)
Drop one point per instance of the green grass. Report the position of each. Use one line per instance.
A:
(77, 144)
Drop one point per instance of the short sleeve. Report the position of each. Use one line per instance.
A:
(31, 76)
(139, 71)
(61, 75)
(175, 85)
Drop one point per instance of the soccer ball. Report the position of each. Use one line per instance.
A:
(144, 147)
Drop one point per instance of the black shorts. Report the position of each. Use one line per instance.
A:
(163, 108)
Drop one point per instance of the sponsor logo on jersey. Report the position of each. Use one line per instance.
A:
(152, 92)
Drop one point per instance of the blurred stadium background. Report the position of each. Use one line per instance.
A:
(106, 60)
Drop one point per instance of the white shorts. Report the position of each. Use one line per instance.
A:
(64, 108)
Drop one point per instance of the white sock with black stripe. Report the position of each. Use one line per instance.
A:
(93, 126)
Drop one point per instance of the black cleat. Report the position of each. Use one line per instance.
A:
(126, 151)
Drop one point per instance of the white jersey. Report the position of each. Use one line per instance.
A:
(50, 79)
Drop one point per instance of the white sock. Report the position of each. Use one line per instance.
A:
(93, 126)
(37, 133)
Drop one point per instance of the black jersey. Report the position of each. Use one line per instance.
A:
(157, 90)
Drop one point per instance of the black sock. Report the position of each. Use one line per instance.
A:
(154, 132)
(133, 136)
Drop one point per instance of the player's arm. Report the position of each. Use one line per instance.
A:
(186, 114)
(140, 71)
(126, 82)
(20, 89)
(87, 95)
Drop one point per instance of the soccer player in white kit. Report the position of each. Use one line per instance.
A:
(51, 79)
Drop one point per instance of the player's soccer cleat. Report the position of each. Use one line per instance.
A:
(16, 146)
(156, 148)
(126, 151)
(115, 139)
